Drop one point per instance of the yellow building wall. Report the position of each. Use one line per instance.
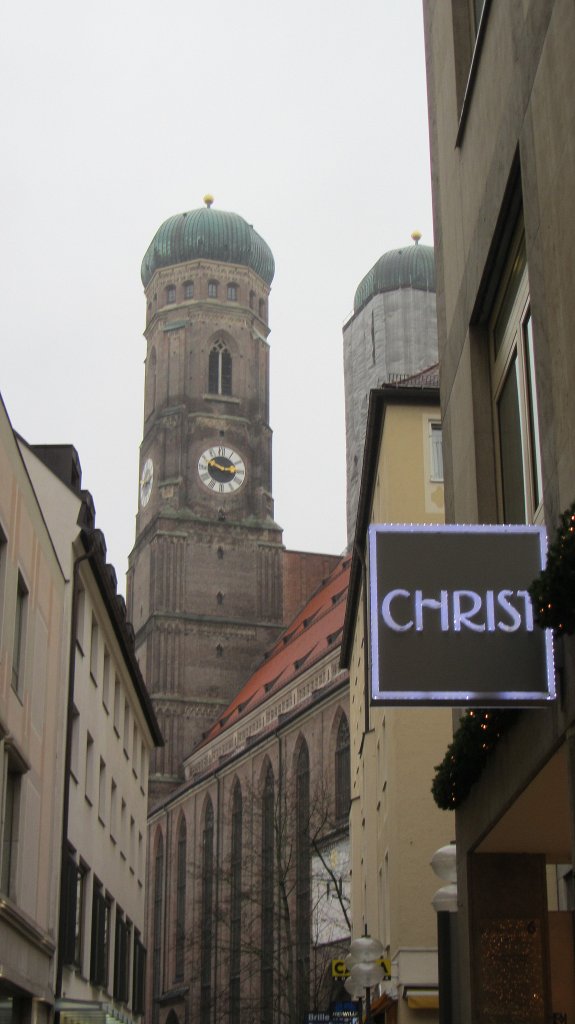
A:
(395, 824)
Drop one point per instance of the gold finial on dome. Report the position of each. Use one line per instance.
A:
(416, 235)
(208, 200)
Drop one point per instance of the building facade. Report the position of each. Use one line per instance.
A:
(501, 83)
(249, 871)
(395, 826)
(77, 732)
(391, 335)
(33, 663)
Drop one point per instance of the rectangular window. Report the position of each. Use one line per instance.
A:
(10, 830)
(143, 767)
(18, 654)
(75, 745)
(106, 680)
(171, 293)
(132, 845)
(94, 638)
(102, 792)
(135, 749)
(514, 397)
(89, 769)
(232, 293)
(117, 704)
(189, 290)
(3, 550)
(435, 451)
(72, 946)
(123, 829)
(212, 289)
(126, 728)
(113, 811)
(100, 937)
(80, 617)
(121, 959)
(138, 975)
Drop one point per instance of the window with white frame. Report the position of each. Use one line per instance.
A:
(514, 396)
(435, 452)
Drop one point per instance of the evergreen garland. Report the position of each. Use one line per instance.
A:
(553, 592)
(477, 734)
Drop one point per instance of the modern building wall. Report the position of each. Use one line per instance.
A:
(501, 83)
(395, 827)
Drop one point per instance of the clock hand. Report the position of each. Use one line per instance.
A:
(223, 469)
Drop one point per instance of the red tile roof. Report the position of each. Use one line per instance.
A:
(315, 630)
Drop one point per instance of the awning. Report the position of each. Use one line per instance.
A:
(421, 998)
(380, 1005)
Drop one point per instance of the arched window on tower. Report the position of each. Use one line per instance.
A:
(267, 896)
(189, 289)
(220, 370)
(207, 914)
(212, 289)
(151, 383)
(342, 770)
(157, 924)
(303, 881)
(232, 293)
(171, 293)
(236, 904)
(181, 902)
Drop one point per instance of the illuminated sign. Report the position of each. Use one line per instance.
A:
(451, 618)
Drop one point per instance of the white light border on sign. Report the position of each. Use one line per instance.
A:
(452, 697)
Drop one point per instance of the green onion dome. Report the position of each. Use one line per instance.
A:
(410, 267)
(209, 235)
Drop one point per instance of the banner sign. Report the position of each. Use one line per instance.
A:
(451, 621)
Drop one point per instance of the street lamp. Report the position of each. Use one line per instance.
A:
(365, 969)
(444, 864)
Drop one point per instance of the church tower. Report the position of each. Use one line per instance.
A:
(205, 574)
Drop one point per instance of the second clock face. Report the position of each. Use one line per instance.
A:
(221, 469)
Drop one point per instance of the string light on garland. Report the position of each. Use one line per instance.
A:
(478, 733)
(553, 592)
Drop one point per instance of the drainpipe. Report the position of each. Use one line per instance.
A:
(366, 655)
(67, 765)
(219, 862)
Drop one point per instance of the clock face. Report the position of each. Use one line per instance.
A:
(221, 469)
(146, 482)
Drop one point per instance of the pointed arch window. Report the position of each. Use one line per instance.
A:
(236, 903)
(157, 924)
(207, 917)
(267, 897)
(181, 902)
(220, 370)
(342, 770)
(303, 881)
(151, 382)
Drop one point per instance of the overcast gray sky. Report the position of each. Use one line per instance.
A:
(307, 118)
